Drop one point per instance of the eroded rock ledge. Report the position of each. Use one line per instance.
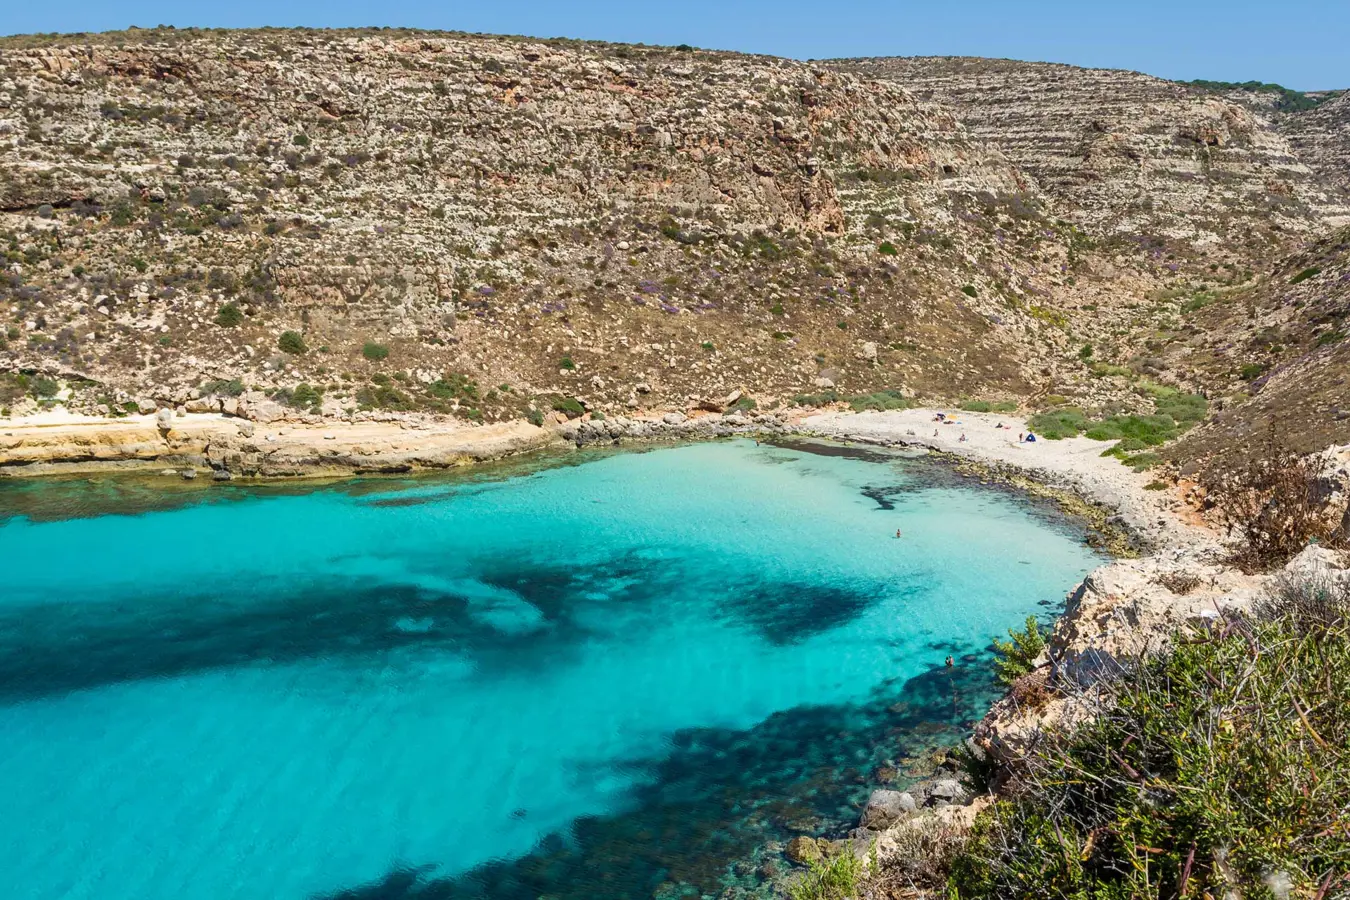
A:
(227, 448)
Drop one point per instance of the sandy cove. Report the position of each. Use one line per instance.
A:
(1075, 464)
(205, 443)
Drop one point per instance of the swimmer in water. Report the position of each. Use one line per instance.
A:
(897, 532)
(949, 662)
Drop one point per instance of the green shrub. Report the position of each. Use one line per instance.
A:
(535, 417)
(1220, 769)
(569, 406)
(837, 878)
(566, 363)
(44, 388)
(1015, 657)
(1056, 424)
(1310, 272)
(969, 290)
(374, 352)
(887, 249)
(881, 400)
(383, 396)
(1106, 370)
(291, 342)
(984, 406)
(453, 386)
(306, 396)
(221, 388)
(230, 315)
(824, 398)
(707, 345)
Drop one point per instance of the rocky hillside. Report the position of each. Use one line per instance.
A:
(309, 223)
(428, 221)
(1277, 358)
(1134, 158)
(1321, 137)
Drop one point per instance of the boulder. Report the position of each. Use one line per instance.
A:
(947, 790)
(146, 406)
(674, 418)
(803, 850)
(202, 405)
(884, 808)
(164, 419)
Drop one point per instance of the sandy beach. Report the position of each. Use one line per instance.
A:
(1073, 463)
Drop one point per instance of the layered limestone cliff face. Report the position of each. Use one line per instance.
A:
(627, 226)
(1321, 137)
(1131, 157)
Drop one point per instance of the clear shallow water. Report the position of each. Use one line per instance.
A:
(591, 681)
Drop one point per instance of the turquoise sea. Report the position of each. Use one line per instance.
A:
(620, 676)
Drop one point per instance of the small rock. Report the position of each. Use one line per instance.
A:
(188, 474)
(674, 418)
(164, 419)
(803, 850)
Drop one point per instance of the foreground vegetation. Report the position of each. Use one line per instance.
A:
(1219, 770)
(1173, 413)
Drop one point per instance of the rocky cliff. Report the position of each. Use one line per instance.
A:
(1133, 157)
(464, 223)
(378, 222)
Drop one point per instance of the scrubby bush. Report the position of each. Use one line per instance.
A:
(291, 342)
(984, 406)
(1276, 505)
(743, 404)
(1310, 272)
(836, 878)
(1059, 423)
(230, 315)
(568, 406)
(1218, 770)
(824, 398)
(881, 400)
(222, 388)
(306, 396)
(374, 352)
(566, 363)
(1015, 657)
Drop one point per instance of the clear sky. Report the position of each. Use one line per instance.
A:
(1303, 44)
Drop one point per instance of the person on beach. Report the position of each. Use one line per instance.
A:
(935, 432)
(1019, 437)
(963, 437)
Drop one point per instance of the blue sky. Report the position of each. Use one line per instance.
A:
(1303, 44)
